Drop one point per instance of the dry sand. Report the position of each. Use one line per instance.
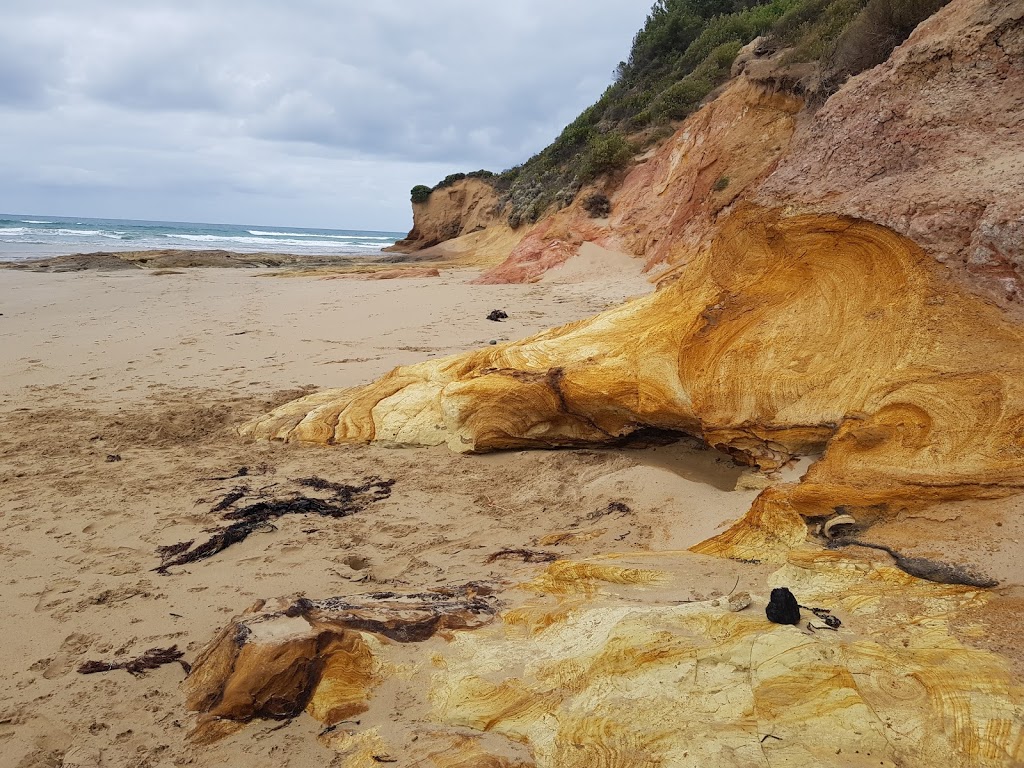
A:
(118, 403)
(157, 370)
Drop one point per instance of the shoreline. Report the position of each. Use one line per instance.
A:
(187, 258)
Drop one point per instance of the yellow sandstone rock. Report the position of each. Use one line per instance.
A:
(786, 335)
(789, 334)
(621, 674)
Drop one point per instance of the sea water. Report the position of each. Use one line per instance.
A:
(28, 236)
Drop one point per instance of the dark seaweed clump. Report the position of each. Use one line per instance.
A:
(341, 501)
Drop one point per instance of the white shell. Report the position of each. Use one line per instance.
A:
(837, 521)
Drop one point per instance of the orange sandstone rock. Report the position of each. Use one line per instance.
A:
(930, 144)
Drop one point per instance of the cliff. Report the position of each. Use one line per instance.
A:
(464, 207)
(928, 144)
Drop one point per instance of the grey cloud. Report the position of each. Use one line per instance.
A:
(161, 96)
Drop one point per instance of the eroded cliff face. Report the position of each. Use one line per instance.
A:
(669, 202)
(465, 207)
(930, 144)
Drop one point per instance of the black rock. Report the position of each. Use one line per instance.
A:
(782, 608)
(498, 315)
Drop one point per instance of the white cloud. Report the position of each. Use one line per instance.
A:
(315, 112)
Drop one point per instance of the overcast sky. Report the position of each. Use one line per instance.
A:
(310, 112)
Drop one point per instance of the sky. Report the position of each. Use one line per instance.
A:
(317, 113)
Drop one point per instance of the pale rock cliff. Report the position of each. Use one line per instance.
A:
(462, 208)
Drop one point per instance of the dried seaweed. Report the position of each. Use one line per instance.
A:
(344, 500)
(151, 659)
(231, 497)
(618, 508)
(526, 555)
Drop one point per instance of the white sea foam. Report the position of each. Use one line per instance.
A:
(22, 231)
(317, 234)
(269, 241)
(35, 221)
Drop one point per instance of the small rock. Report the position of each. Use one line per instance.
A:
(752, 480)
(113, 457)
(492, 342)
(783, 607)
(734, 602)
(497, 315)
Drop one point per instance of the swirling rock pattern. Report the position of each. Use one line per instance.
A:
(599, 665)
(786, 335)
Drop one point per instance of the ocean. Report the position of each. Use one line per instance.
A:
(26, 237)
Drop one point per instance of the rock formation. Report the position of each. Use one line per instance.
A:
(669, 202)
(598, 664)
(282, 657)
(929, 144)
(787, 334)
(464, 207)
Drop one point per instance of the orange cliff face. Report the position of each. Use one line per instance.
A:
(668, 205)
(930, 144)
(670, 201)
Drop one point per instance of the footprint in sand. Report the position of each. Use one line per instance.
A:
(71, 650)
(50, 598)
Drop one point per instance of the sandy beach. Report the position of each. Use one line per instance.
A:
(120, 396)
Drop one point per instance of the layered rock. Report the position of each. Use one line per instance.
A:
(600, 663)
(930, 144)
(787, 334)
(284, 656)
(669, 201)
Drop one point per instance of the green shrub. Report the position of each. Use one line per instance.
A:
(605, 154)
(597, 205)
(448, 180)
(873, 34)
(420, 193)
(721, 184)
